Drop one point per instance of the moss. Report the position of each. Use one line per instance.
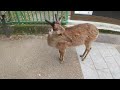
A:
(30, 29)
(41, 29)
(109, 31)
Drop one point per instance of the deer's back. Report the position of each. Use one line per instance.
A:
(75, 35)
(82, 33)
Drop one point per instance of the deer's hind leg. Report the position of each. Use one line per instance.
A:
(87, 50)
(84, 53)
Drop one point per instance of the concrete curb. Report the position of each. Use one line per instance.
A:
(99, 25)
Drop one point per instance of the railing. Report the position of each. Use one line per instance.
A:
(33, 17)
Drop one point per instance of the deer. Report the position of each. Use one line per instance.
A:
(63, 37)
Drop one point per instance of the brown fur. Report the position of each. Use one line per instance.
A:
(61, 38)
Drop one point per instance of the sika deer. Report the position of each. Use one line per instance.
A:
(61, 38)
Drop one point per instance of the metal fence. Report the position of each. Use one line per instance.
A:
(33, 17)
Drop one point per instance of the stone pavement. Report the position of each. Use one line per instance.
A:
(109, 38)
(103, 62)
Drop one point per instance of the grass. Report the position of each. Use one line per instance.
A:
(28, 29)
(41, 29)
(109, 32)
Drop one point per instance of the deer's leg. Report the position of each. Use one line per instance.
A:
(62, 52)
(62, 47)
(87, 50)
(83, 53)
(60, 55)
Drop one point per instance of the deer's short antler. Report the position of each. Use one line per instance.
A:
(49, 22)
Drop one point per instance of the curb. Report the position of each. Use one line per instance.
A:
(99, 25)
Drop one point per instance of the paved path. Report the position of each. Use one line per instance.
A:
(109, 38)
(103, 62)
(32, 58)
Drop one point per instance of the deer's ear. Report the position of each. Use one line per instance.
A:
(49, 22)
(60, 18)
(56, 18)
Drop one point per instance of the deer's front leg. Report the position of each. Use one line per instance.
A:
(61, 52)
(62, 48)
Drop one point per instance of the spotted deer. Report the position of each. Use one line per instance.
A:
(61, 38)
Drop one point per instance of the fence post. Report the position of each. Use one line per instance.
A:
(17, 17)
(66, 17)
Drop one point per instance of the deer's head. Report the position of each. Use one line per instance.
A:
(56, 25)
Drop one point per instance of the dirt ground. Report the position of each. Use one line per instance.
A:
(31, 58)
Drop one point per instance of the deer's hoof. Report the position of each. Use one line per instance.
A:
(61, 60)
(81, 55)
(83, 59)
